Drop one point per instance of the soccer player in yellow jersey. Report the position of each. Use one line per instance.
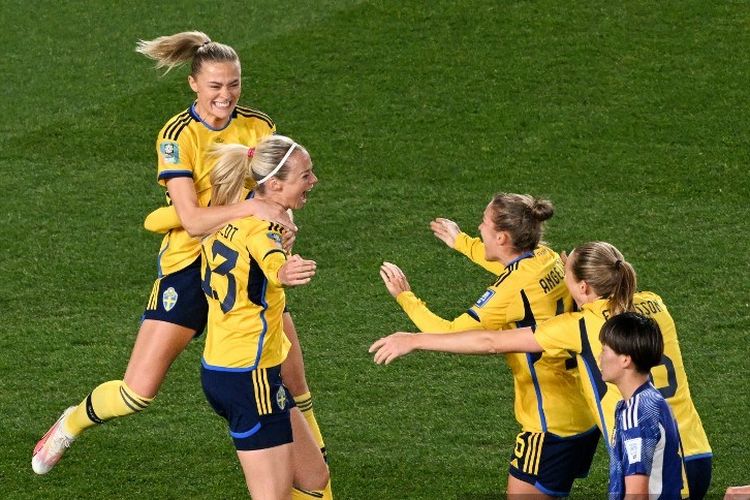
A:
(244, 270)
(177, 308)
(603, 284)
(558, 436)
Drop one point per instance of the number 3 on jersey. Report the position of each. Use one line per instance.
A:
(219, 249)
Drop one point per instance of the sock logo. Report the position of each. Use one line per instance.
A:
(169, 298)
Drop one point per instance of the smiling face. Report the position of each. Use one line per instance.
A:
(217, 88)
(300, 179)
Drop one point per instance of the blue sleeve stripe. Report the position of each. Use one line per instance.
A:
(171, 174)
(473, 315)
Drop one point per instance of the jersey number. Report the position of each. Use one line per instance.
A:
(224, 269)
(670, 389)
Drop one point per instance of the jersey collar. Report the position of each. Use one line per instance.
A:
(198, 118)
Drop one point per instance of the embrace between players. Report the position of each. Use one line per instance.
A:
(224, 266)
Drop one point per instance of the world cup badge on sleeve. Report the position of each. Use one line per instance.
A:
(170, 152)
(169, 298)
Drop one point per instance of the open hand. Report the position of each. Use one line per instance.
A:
(445, 230)
(297, 271)
(393, 346)
(394, 279)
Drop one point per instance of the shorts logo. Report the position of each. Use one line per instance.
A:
(169, 298)
(281, 398)
(485, 297)
(170, 152)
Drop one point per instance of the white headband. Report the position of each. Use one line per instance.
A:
(278, 167)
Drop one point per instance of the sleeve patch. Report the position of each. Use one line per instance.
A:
(485, 298)
(633, 448)
(275, 237)
(170, 152)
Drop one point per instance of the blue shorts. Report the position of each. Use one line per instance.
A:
(178, 298)
(255, 404)
(551, 463)
(698, 471)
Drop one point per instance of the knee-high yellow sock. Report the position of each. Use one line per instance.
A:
(326, 494)
(109, 400)
(305, 405)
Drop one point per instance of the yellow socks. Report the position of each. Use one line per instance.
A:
(304, 403)
(109, 400)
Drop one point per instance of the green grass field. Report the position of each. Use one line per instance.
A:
(631, 117)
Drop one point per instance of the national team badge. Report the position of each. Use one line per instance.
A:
(169, 298)
(485, 297)
(281, 398)
(170, 152)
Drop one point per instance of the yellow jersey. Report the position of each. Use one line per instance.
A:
(528, 290)
(246, 301)
(578, 333)
(183, 147)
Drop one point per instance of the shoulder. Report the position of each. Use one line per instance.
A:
(254, 115)
(175, 125)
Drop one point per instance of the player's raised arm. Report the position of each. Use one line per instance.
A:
(399, 344)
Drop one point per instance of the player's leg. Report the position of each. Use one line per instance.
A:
(310, 470)
(293, 374)
(518, 489)
(176, 310)
(268, 472)
(698, 471)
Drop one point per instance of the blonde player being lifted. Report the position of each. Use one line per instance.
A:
(558, 436)
(603, 284)
(244, 271)
(177, 309)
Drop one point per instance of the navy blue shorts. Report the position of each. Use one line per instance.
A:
(255, 404)
(550, 462)
(178, 298)
(698, 471)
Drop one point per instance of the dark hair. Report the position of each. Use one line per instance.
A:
(634, 335)
(607, 272)
(522, 217)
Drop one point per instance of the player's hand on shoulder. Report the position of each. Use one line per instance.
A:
(393, 346)
(394, 279)
(445, 230)
(272, 212)
(297, 271)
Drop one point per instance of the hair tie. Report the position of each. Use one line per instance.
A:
(618, 263)
(205, 43)
(250, 152)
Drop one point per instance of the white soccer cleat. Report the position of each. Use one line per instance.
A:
(49, 450)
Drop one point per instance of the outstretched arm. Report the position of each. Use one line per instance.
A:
(400, 344)
(398, 286)
(449, 233)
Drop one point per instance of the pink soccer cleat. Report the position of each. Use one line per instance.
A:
(49, 450)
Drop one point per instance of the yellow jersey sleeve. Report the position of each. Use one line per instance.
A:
(162, 220)
(265, 247)
(473, 248)
(559, 334)
(176, 149)
(427, 321)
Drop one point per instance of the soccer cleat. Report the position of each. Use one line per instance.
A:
(49, 450)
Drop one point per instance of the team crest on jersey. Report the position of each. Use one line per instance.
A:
(170, 152)
(169, 298)
(281, 398)
(485, 297)
(275, 237)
